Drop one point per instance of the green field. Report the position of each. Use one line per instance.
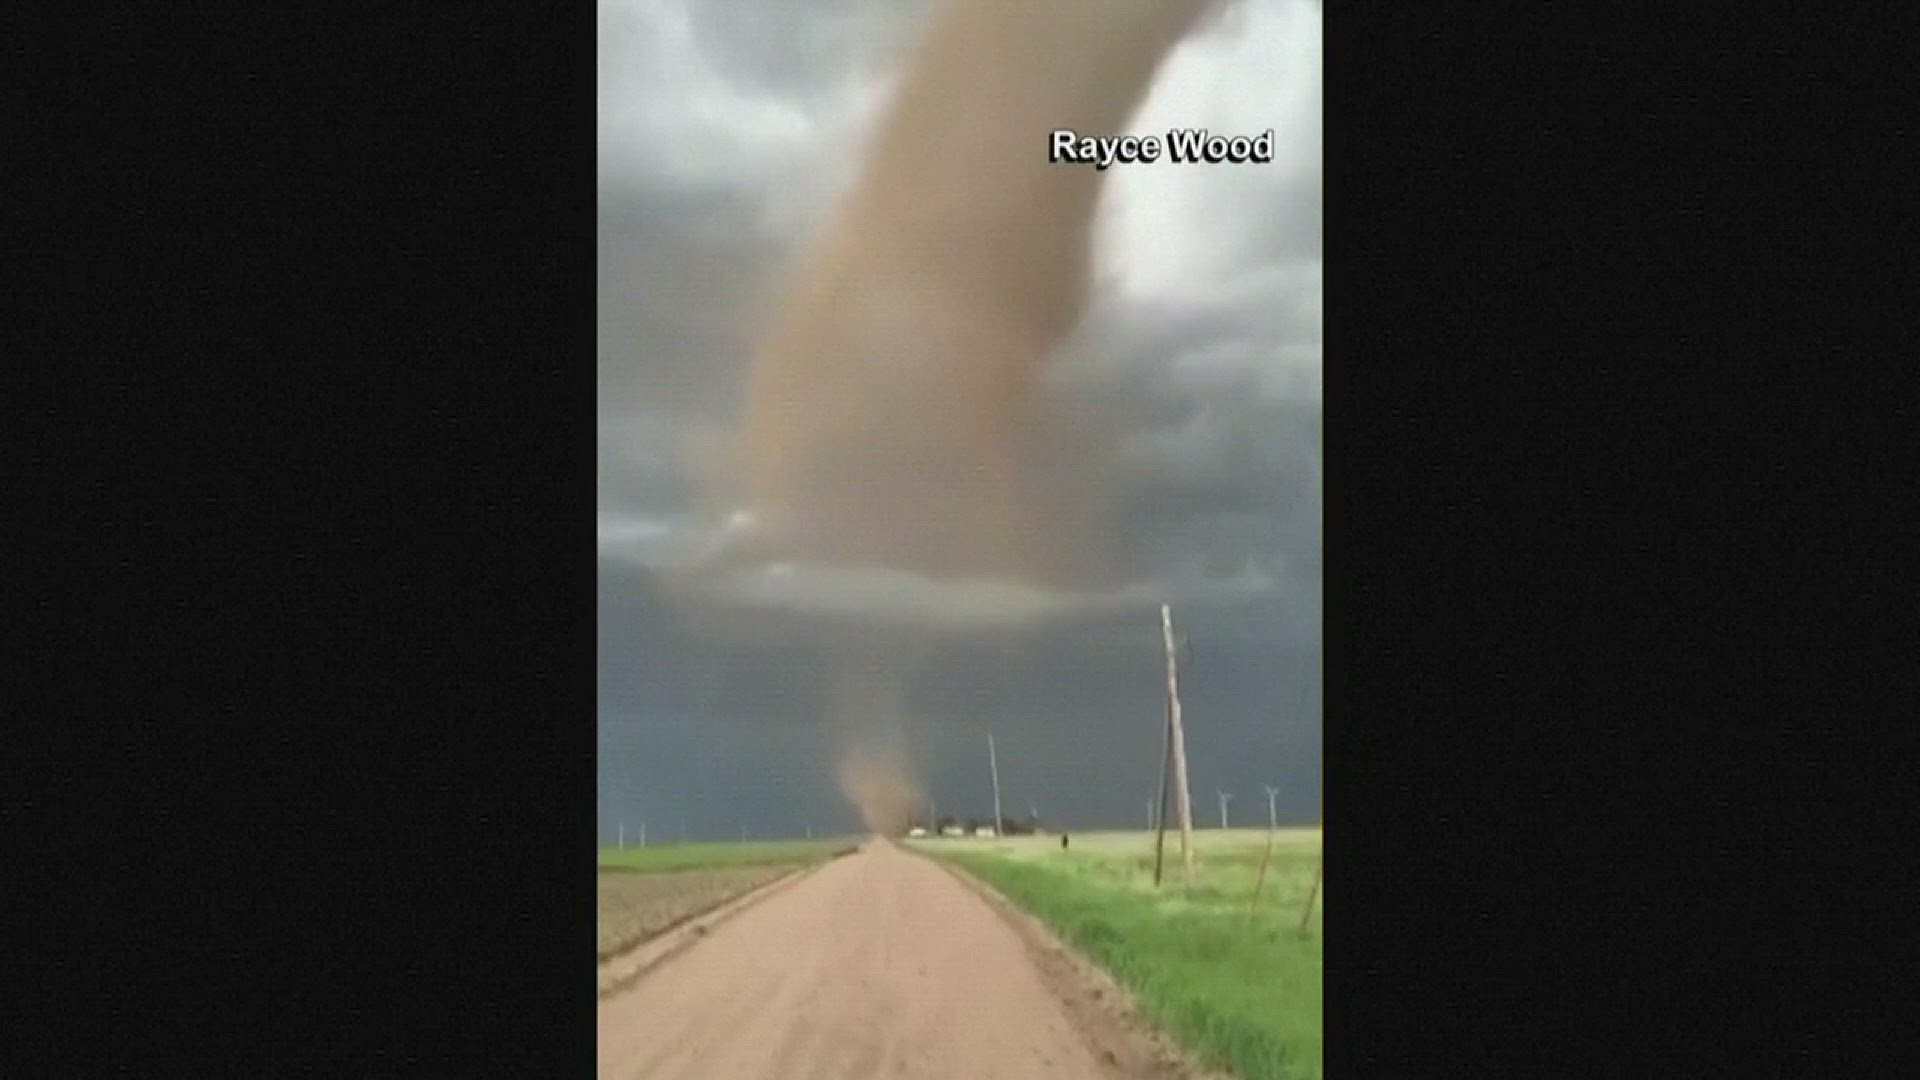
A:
(1241, 990)
(658, 857)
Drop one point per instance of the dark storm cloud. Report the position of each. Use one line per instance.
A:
(726, 126)
(678, 277)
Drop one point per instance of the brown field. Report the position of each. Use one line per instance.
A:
(635, 907)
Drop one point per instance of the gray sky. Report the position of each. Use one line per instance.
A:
(726, 127)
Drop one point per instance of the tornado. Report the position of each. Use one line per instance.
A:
(883, 453)
(871, 722)
(890, 401)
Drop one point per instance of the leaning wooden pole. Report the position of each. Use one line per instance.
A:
(993, 763)
(1183, 802)
(1260, 879)
(1160, 815)
(1313, 891)
(1306, 915)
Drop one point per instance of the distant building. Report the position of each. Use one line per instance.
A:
(916, 831)
(953, 830)
(984, 831)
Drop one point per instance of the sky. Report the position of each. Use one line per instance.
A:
(726, 129)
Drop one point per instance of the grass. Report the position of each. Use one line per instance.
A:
(704, 856)
(1241, 991)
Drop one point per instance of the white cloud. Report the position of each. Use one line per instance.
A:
(1174, 231)
(670, 116)
(641, 537)
(666, 113)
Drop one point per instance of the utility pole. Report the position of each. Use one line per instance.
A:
(1158, 822)
(1273, 823)
(1149, 815)
(1224, 796)
(1183, 803)
(643, 834)
(993, 763)
(1313, 893)
(1319, 862)
(623, 836)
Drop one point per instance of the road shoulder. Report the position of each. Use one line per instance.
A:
(1102, 1009)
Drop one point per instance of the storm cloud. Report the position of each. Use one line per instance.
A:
(727, 128)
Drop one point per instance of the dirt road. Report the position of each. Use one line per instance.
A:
(879, 964)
